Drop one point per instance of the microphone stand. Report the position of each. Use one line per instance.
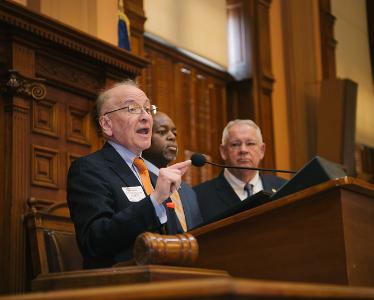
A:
(249, 168)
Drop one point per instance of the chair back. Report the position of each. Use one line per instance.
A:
(51, 234)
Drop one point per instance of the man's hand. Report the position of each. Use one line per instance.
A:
(169, 180)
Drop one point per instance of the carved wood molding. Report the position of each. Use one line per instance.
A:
(44, 166)
(68, 73)
(35, 204)
(21, 18)
(178, 56)
(16, 84)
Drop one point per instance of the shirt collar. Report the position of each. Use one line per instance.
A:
(151, 167)
(234, 181)
(125, 153)
(238, 185)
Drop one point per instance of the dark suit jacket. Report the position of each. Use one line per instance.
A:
(216, 196)
(106, 221)
(190, 206)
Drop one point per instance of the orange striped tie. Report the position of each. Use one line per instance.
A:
(144, 175)
(178, 207)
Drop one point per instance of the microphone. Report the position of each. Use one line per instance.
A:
(198, 160)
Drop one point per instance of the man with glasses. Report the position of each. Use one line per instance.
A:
(242, 146)
(111, 195)
(163, 151)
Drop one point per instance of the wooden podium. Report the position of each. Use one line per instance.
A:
(323, 234)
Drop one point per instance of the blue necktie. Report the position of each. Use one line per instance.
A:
(249, 189)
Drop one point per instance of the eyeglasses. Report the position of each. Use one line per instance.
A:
(136, 109)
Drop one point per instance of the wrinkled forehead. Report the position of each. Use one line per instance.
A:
(126, 94)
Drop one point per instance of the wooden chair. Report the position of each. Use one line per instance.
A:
(51, 235)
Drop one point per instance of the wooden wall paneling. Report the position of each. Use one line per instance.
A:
(17, 173)
(4, 205)
(204, 122)
(4, 54)
(263, 78)
(145, 79)
(203, 113)
(186, 97)
(302, 76)
(218, 109)
(162, 90)
(336, 122)
(328, 42)
(240, 100)
(17, 167)
(44, 166)
(188, 94)
(45, 117)
(75, 132)
(186, 117)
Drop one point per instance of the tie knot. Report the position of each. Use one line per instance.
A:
(140, 165)
(249, 189)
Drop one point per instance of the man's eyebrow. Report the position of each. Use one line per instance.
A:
(128, 101)
(132, 101)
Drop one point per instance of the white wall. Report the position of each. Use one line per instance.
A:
(196, 25)
(96, 17)
(353, 61)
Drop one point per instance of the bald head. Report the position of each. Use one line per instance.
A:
(130, 128)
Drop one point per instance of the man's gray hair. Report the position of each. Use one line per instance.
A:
(225, 133)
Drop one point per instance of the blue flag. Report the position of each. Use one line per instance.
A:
(123, 28)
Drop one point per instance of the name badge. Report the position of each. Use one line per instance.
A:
(134, 193)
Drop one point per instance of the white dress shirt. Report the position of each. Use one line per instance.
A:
(238, 185)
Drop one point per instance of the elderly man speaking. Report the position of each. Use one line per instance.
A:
(111, 195)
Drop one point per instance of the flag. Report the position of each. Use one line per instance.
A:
(123, 28)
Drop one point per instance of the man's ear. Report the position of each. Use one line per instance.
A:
(222, 151)
(262, 149)
(106, 125)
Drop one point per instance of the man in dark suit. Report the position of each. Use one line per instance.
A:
(162, 152)
(111, 196)
(241, 146)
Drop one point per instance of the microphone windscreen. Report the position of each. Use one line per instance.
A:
(198, 160)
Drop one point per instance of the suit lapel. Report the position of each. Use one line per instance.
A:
(266, 184)
(225, 192)
(119, 166)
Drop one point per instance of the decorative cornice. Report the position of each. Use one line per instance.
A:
(178, 54)
(19, 17)
(16, 84)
